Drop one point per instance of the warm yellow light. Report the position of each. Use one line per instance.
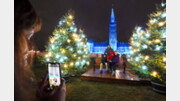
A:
(68, 40)
(149, 42)
(154, 73)
(130, 47)
(151, 21)
(63, 51)
(161, 24)
(49, 54)
(165, 67)
(146, 57)
(79, 57)
(164, 59)
(70, 17)
(87, 62)
(65, 65)
(75, 35)
(71, 64)
(46, 55)
(74, 55)
(52, 40)
(68, 23)
(157, 40)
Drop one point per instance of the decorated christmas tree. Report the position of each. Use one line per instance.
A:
(68, 46)
(148, 47)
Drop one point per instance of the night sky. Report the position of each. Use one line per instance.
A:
(93, 17)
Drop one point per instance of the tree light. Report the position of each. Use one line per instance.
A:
(47, 59)
(146, 57)
(163, 14)
(70, 17)
(157, 40)
(157, 48)
(71, 63)
(164, 59)
(144, 46)
(137, 58)
(65, 65)
(161, 24)
(154, 73)
(61, 60)
(144, 67)
(57, 56)
(68, 40)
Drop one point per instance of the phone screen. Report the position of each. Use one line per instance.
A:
(54, 74)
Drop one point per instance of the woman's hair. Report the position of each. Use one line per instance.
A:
(25, 18)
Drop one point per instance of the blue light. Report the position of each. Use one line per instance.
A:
(137, 58)
(75, 29)
(47, 59)
(157, 48)
(57, 56)
(144, 67)
(60, 23)
(138, 29)
(163, 14)
(52, 46)
(71, 28)
(164, 35)
(145, 46)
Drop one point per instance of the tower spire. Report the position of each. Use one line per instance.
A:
(112, 15)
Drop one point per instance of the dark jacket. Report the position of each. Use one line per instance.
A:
(103, 59)
(108, 50)
(124, 58)
(116, 59)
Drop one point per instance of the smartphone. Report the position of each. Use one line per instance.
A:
(54, 72)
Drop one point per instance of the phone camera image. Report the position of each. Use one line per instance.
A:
(54, 74)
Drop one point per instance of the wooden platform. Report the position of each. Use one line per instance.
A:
(127, 78)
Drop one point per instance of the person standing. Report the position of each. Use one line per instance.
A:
(115, 62)
(124, 62)
(109, 59)
(103, 62)
(108, 50)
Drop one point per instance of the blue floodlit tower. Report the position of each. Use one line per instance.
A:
(113, 31)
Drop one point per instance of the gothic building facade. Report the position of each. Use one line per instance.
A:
(99, 48)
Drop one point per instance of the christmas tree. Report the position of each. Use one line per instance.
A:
(68, 46)
(148, 47)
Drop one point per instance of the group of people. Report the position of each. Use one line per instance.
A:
(111, 60)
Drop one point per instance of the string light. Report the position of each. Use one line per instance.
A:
(164, 59)
(154, 73)
(145, 46)
(144, 67)
(146, 57)
(65, 65)
(157, 40)
(68, 40)
(163, 14)
(72, 63)
(70, 17)
(161, 24)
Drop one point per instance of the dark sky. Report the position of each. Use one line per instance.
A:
(93, 16)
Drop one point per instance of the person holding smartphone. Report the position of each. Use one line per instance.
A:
(27, 22)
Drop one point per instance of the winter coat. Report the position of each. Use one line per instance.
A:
(103, 59)
(124, 58)
(116, 59)
(110, 57)
(108, 50)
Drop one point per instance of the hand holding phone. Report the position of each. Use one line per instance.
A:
(54, 72)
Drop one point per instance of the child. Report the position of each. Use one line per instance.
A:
(103, 62)
(109, 59)
(115, 62)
